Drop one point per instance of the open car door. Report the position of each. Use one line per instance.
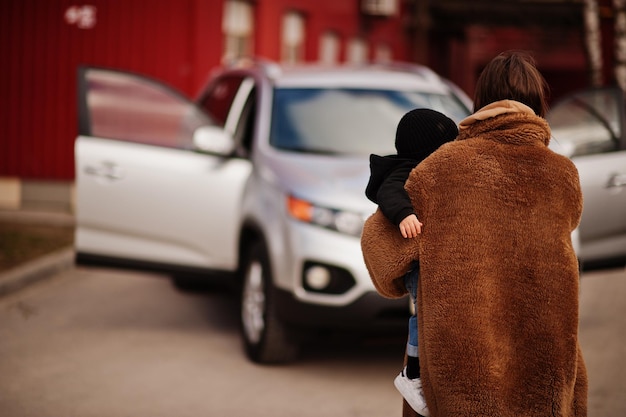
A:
(588, 126)
(146, 195)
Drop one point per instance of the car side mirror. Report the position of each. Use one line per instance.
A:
(213, 139)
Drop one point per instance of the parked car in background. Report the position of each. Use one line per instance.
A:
(589, 127)
(261, 180)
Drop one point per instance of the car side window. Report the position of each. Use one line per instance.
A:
(219, 97)
(133, 108)
(588, 123)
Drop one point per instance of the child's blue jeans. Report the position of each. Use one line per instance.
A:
(410, 282)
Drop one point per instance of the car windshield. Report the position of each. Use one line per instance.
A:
(348, 121)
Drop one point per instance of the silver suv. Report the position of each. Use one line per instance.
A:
(260, 180)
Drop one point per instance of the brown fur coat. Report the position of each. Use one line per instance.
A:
(498, 286)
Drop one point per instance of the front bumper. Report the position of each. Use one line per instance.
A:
(369, 311)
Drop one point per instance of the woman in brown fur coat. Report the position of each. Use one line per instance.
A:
(498, 289)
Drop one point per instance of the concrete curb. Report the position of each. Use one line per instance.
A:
(37, 218)
(36, 270)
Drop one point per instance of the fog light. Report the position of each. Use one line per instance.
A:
(326, 279)
(317, 277)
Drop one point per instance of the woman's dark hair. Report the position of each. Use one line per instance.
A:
(512, 75)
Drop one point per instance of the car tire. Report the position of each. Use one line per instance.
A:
(266, 338)
(188, 284)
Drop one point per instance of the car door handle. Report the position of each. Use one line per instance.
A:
(107, 170)
(616, 180)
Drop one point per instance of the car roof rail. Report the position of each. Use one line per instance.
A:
(418, 69)
(268, 66)
(272, 68)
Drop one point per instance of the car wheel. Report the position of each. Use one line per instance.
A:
(266, 338)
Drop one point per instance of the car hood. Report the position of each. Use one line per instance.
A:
(330, 181)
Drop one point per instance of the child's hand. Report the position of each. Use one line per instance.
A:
(410, 226)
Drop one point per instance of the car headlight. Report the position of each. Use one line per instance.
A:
(341, 221)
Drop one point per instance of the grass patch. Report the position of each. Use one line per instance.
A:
(20, 243)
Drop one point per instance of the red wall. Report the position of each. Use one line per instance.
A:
(41, 51)
(342, 17)
(559, 55)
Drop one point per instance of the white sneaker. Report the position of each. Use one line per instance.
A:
(411, 390)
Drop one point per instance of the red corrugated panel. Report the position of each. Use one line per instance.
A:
(41, 51)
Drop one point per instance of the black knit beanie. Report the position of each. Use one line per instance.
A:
(421, 132)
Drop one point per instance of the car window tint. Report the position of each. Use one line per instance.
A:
(587, 123)
(218, 98)
(348, 121)
(132, 108)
